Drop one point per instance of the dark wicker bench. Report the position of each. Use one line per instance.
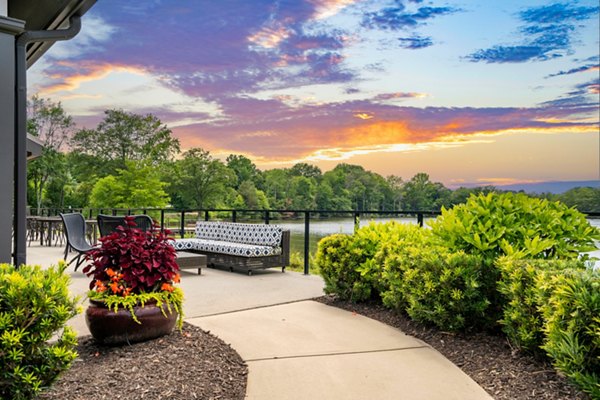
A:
(238, 246)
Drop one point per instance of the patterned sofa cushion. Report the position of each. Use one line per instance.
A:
(208, 230)
(248, 240)
(218, 246)
(257, 234)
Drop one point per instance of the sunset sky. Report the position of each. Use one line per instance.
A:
(484, 92)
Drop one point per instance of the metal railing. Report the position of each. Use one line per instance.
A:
(160, 215)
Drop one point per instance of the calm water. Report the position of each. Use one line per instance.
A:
(322, 228)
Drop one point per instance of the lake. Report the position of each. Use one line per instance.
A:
(322, 228)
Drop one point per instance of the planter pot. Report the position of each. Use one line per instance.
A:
(109, 327)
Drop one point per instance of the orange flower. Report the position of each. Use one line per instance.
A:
(126, 292)
(176, 278)
(100, 286)
(110, 272)
(167, 287)
(114, 287)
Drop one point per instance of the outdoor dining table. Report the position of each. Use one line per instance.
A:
(46, 228)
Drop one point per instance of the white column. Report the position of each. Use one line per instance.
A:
(3, 8)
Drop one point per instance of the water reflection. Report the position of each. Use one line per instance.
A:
(322, 228)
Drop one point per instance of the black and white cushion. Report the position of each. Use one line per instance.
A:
(247, 240)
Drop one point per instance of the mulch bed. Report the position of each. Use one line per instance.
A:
(504, 372)
(191, 364)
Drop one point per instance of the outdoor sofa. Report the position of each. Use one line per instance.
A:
(239, 246)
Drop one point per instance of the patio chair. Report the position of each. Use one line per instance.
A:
(107, 224)
(74, 228)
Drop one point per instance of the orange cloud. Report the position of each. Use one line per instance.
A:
(328, 8)
(90, 72)
(269, 37)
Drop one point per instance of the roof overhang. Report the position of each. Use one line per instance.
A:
(34, 147)
(42, 15)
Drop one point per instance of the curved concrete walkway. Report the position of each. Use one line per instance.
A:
(299, 349)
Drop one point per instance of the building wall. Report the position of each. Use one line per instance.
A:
(8, 29)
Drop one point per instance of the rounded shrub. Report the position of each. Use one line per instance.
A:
(348, 264)
(522, 320)
(570, 305)
(515, 225)
(35, 305)
(434, 286)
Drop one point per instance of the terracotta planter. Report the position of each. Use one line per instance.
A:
(108, 327)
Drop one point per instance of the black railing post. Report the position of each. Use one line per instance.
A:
(114, 211)
(306, 242)
(420, 219)
(233, 216)
(206, 215)
(267, 217)
(182, 231)
(162, 220)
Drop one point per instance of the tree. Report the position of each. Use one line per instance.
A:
(304, 191)
(461, 194)
(585, 199)
(199, 180)
(307, 171)
(49, 122)
(136, 186)
(244, 170)
(123, 136)
(277, 187)
(395, 184)
(253, 198)
(421, 194)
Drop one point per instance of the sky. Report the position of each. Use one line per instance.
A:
(470, 92)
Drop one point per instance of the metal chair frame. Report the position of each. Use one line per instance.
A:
(107, 224)
(75, 233)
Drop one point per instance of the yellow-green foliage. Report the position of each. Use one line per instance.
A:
(337, 265)
(515, 225)
(433, 285)
(167, 301)
(35, 304)
(511, 224)
(570, 305)
(521, 319)
(347, 261)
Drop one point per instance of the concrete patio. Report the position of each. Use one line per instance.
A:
(296, 348)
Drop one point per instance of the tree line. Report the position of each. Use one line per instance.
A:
(133, 161)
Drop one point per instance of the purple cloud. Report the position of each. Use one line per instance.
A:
(583, 68)
(547, 33)
(216, 52)
(274, 130)
(397, 17)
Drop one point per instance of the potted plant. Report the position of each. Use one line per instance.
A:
(132, 294)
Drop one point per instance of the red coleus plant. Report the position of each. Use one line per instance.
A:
(131, 261)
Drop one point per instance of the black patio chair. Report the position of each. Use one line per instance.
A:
(107, 224)
(74, 227)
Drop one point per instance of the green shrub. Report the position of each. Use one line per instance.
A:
(434, 286)
(511, 224)
(347, 261)
(570, 306)
(35, 304)
(337, 265)
(521, 319)
(515, 225)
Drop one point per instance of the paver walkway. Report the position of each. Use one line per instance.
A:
(299, 349)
